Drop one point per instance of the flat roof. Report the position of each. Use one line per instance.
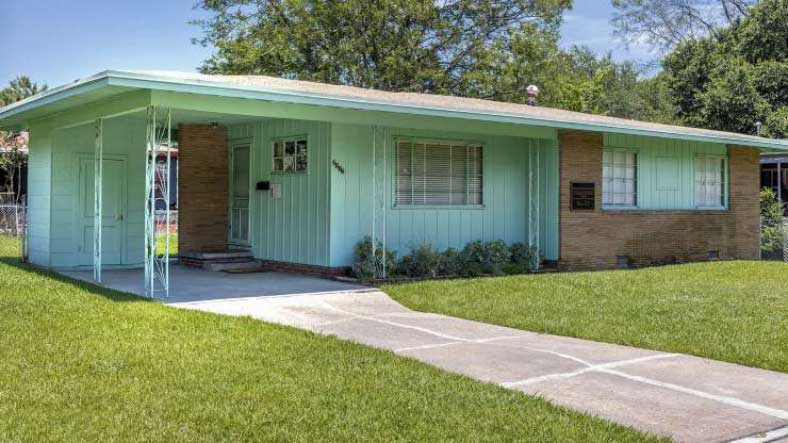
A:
(296, 91)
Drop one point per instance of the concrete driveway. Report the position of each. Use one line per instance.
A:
(689, 398)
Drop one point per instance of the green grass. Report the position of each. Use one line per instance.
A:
(731, 311)
(10, 246)
(160, 245)
(78, 363)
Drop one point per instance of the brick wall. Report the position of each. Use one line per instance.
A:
(203, 181)
(594, 239)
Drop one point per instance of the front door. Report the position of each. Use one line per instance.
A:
(239, 194)
(113, 210)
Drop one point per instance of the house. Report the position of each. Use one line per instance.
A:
(298, 173)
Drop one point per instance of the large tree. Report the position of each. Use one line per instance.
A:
(18, 89)
(664, 24)
(444, 46)
(736, 80)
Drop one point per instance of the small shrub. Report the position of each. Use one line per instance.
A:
(423, 261)
(480, 258)
(451, 263)
(367, 267)
(524, 259)
(771, 222)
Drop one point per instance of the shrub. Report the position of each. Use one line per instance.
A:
(771, 221)
(423, 261)
(365, 266)
(524, 259)
(479, 258)
(451, 263)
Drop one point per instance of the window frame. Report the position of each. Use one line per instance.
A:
(637, 193)
(440, 141)
(295, 139)
(724, 195)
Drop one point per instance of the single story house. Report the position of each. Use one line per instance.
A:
(297, 173)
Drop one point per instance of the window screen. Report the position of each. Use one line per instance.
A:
(619, 178)
(709, 181)
(438, 173)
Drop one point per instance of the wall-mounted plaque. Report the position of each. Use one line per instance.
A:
(582, 196)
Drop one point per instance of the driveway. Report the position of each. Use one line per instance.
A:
(689, 398)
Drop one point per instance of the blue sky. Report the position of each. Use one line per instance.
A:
(58, 41)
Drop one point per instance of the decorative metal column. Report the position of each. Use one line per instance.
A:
(157, 189)
(98, 173)
(379, 186)
(534, 203)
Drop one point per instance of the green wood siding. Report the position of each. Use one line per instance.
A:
(295, 227)
(665, 168)
(124, 139)
(38, 195)
(503, 215)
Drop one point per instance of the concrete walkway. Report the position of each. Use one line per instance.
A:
(688, 398)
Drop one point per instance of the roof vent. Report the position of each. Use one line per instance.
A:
(533, 92)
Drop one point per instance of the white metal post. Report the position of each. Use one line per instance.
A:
(98, 172)
(157, 268)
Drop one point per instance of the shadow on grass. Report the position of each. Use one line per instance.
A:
(92, 288)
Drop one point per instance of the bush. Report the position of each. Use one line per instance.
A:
(772, 230)
(524, 259)
(365, 266)
(423, 261)
(479, 258)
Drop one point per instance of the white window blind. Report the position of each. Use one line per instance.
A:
(709, 181)
(619, 178)
(438, 173)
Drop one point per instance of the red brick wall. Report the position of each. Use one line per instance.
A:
(594, 239)
(203, 183)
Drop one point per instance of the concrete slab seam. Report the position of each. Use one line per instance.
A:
(764, 437)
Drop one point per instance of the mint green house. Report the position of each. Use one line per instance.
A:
(297, 173)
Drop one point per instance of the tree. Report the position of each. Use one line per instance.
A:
(664, 24)
(736, 80)
(18, 89)
(401, 45)
(13, 161)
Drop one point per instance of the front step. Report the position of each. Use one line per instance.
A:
(231, 260)
(234, 267)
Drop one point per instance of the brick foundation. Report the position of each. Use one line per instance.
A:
(203, 183)
(595, 239)
(320, 271)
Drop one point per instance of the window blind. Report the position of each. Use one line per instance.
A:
(438, 173)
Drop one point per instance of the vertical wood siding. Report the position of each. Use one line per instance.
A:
(505, 201)
(124, 138)
(665, 168)
(295, 227)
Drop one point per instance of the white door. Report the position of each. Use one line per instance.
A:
(239, 194)
(113, 210)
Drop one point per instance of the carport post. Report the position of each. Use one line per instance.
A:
(98, 170)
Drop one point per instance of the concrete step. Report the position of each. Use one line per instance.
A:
(232, 266)
(218, 255)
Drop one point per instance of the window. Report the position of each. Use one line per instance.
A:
(619, 178)
(437, 173)
(709, 181)
(290, 155)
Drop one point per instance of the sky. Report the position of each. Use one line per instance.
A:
(57, 41)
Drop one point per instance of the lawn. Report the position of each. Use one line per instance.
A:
(161, 245)
(731, 311)
(80, 363)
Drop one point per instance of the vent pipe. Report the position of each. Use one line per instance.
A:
(533, 92)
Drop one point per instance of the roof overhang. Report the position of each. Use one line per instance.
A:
(110, 83)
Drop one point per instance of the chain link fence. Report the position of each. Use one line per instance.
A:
(13, 216)
(774, 238)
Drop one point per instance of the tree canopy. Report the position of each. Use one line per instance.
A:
(736, 80)
(18, 89)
